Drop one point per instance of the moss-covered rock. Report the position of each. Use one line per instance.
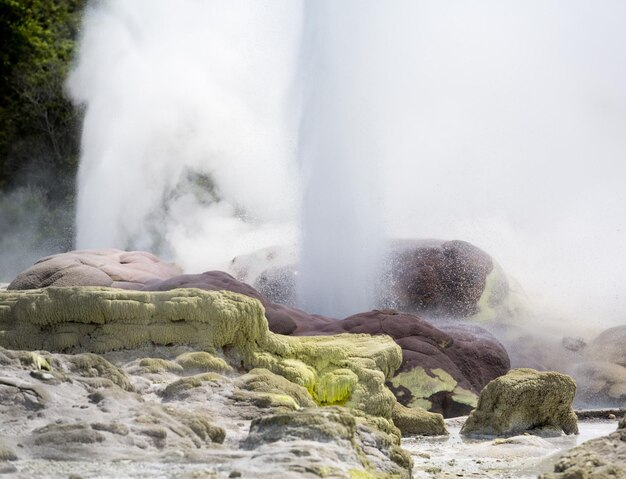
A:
(93, 366)
(524, 400)
(418, 421)
(103, 319)
(202, 361)
(181, 386)
(159, 365)
(348, 369)
(266, 389)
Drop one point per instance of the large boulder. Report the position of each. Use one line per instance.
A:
(105, 267)
(524, 400)
(429, 277)
(443, 278)
(600, 458)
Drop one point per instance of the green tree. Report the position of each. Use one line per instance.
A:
(39, 129)
(38, 123)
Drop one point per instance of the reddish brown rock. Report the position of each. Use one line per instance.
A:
(427, 277)
(440, 278)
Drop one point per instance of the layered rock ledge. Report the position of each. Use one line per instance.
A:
(193, 371)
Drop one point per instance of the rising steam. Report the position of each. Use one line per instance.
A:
(187, 141)
(501, 123)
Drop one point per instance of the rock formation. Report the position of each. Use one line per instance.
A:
(444, 278)
(524, 400)
(443, 368)
(132, 413)
(601, 458)
(106, 267)
(602, 373)
(346, 369)
(197, 375)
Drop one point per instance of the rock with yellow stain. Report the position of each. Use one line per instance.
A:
(425, 387)
(444, 365)
(524, 400)
(346, 369)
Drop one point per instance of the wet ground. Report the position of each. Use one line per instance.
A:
(518, 457)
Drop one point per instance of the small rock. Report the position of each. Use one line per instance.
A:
(235, 474)
(573, 344)
(38, 374)
(7, 468)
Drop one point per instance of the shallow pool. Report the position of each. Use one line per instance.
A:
(519, 457)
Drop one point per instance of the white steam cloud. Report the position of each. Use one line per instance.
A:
(181, 95)
(498, 122)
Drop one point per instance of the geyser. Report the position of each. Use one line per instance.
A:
(501, 125)
(341, 223)
(187, 138)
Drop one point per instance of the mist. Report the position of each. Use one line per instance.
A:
(32, 227)
(187, 140)
(496, 122)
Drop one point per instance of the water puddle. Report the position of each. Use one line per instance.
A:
(519, 457)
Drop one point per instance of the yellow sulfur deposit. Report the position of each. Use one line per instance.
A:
(348, 369)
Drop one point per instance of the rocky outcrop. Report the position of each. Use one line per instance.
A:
(105, 267)
(524, 400)
(108, 416)
(443, 368)
(601, 372)
(601, 458)
(345, 369)
(194, 376)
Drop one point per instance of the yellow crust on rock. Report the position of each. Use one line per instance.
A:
(423, 385)
(348, 369)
